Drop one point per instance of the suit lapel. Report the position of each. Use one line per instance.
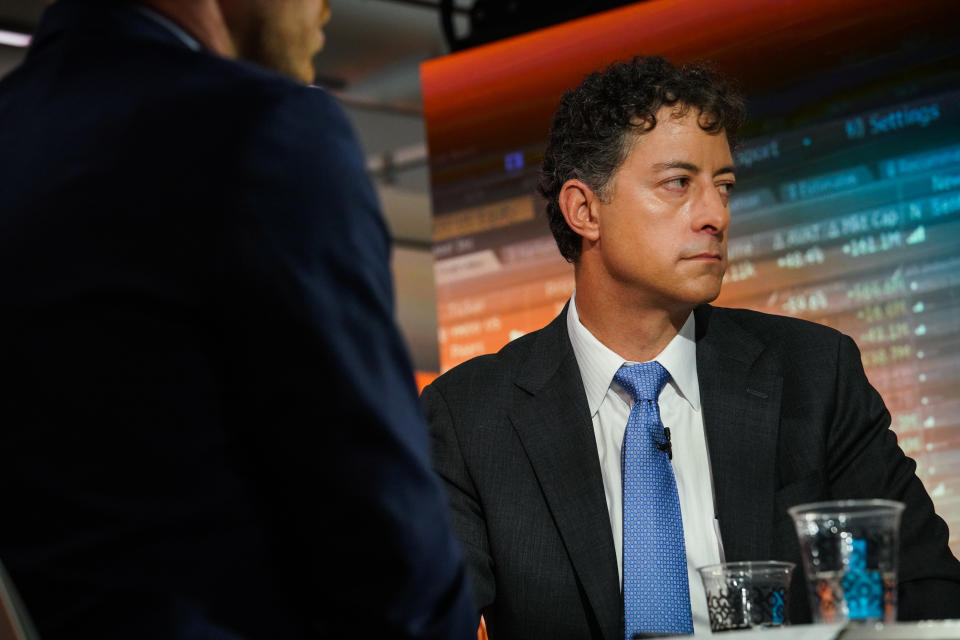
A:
(740, 396)
(553, 422)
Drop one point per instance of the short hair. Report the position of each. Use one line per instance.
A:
(592, 128)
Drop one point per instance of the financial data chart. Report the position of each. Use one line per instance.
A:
(854, 223)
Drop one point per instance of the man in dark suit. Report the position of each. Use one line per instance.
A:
(537, 443)
(210, 427)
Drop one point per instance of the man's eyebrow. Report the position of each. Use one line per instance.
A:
(727, 169)
(688, 166)
(676, 164)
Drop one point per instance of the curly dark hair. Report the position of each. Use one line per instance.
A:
(591, 131)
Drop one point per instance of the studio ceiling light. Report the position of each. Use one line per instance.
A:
(14, 39)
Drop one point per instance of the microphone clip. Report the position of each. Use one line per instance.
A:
(666, 446)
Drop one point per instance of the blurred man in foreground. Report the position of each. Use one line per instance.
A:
(580, 515)
(210, 428)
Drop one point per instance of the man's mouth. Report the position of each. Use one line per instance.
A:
(705, 255)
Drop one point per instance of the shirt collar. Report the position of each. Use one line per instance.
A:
(94, 16)
(598, 363)
(171, 26)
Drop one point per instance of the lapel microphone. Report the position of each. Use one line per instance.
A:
(666, 446)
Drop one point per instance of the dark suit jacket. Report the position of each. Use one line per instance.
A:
(209, 422)
(789, 418)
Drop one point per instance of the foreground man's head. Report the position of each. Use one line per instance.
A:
(282, 35)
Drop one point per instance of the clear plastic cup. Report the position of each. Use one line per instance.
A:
(849, 550)
(747, 595)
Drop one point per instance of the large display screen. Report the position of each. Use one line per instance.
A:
(853, 223)
(847, 208)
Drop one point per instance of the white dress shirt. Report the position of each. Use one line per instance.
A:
(680, 411)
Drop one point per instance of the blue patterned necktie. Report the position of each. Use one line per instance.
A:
(656, 594)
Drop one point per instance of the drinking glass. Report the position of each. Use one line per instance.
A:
(849, 550)
(747, 595)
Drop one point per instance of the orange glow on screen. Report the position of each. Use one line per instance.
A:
(507, 90)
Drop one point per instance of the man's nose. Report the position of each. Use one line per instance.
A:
(713, 212)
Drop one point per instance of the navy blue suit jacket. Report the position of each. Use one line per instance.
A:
(209, 424)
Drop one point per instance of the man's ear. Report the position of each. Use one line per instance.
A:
(578, 203)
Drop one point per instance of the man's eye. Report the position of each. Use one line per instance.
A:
(726, 188)
(677, 183)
